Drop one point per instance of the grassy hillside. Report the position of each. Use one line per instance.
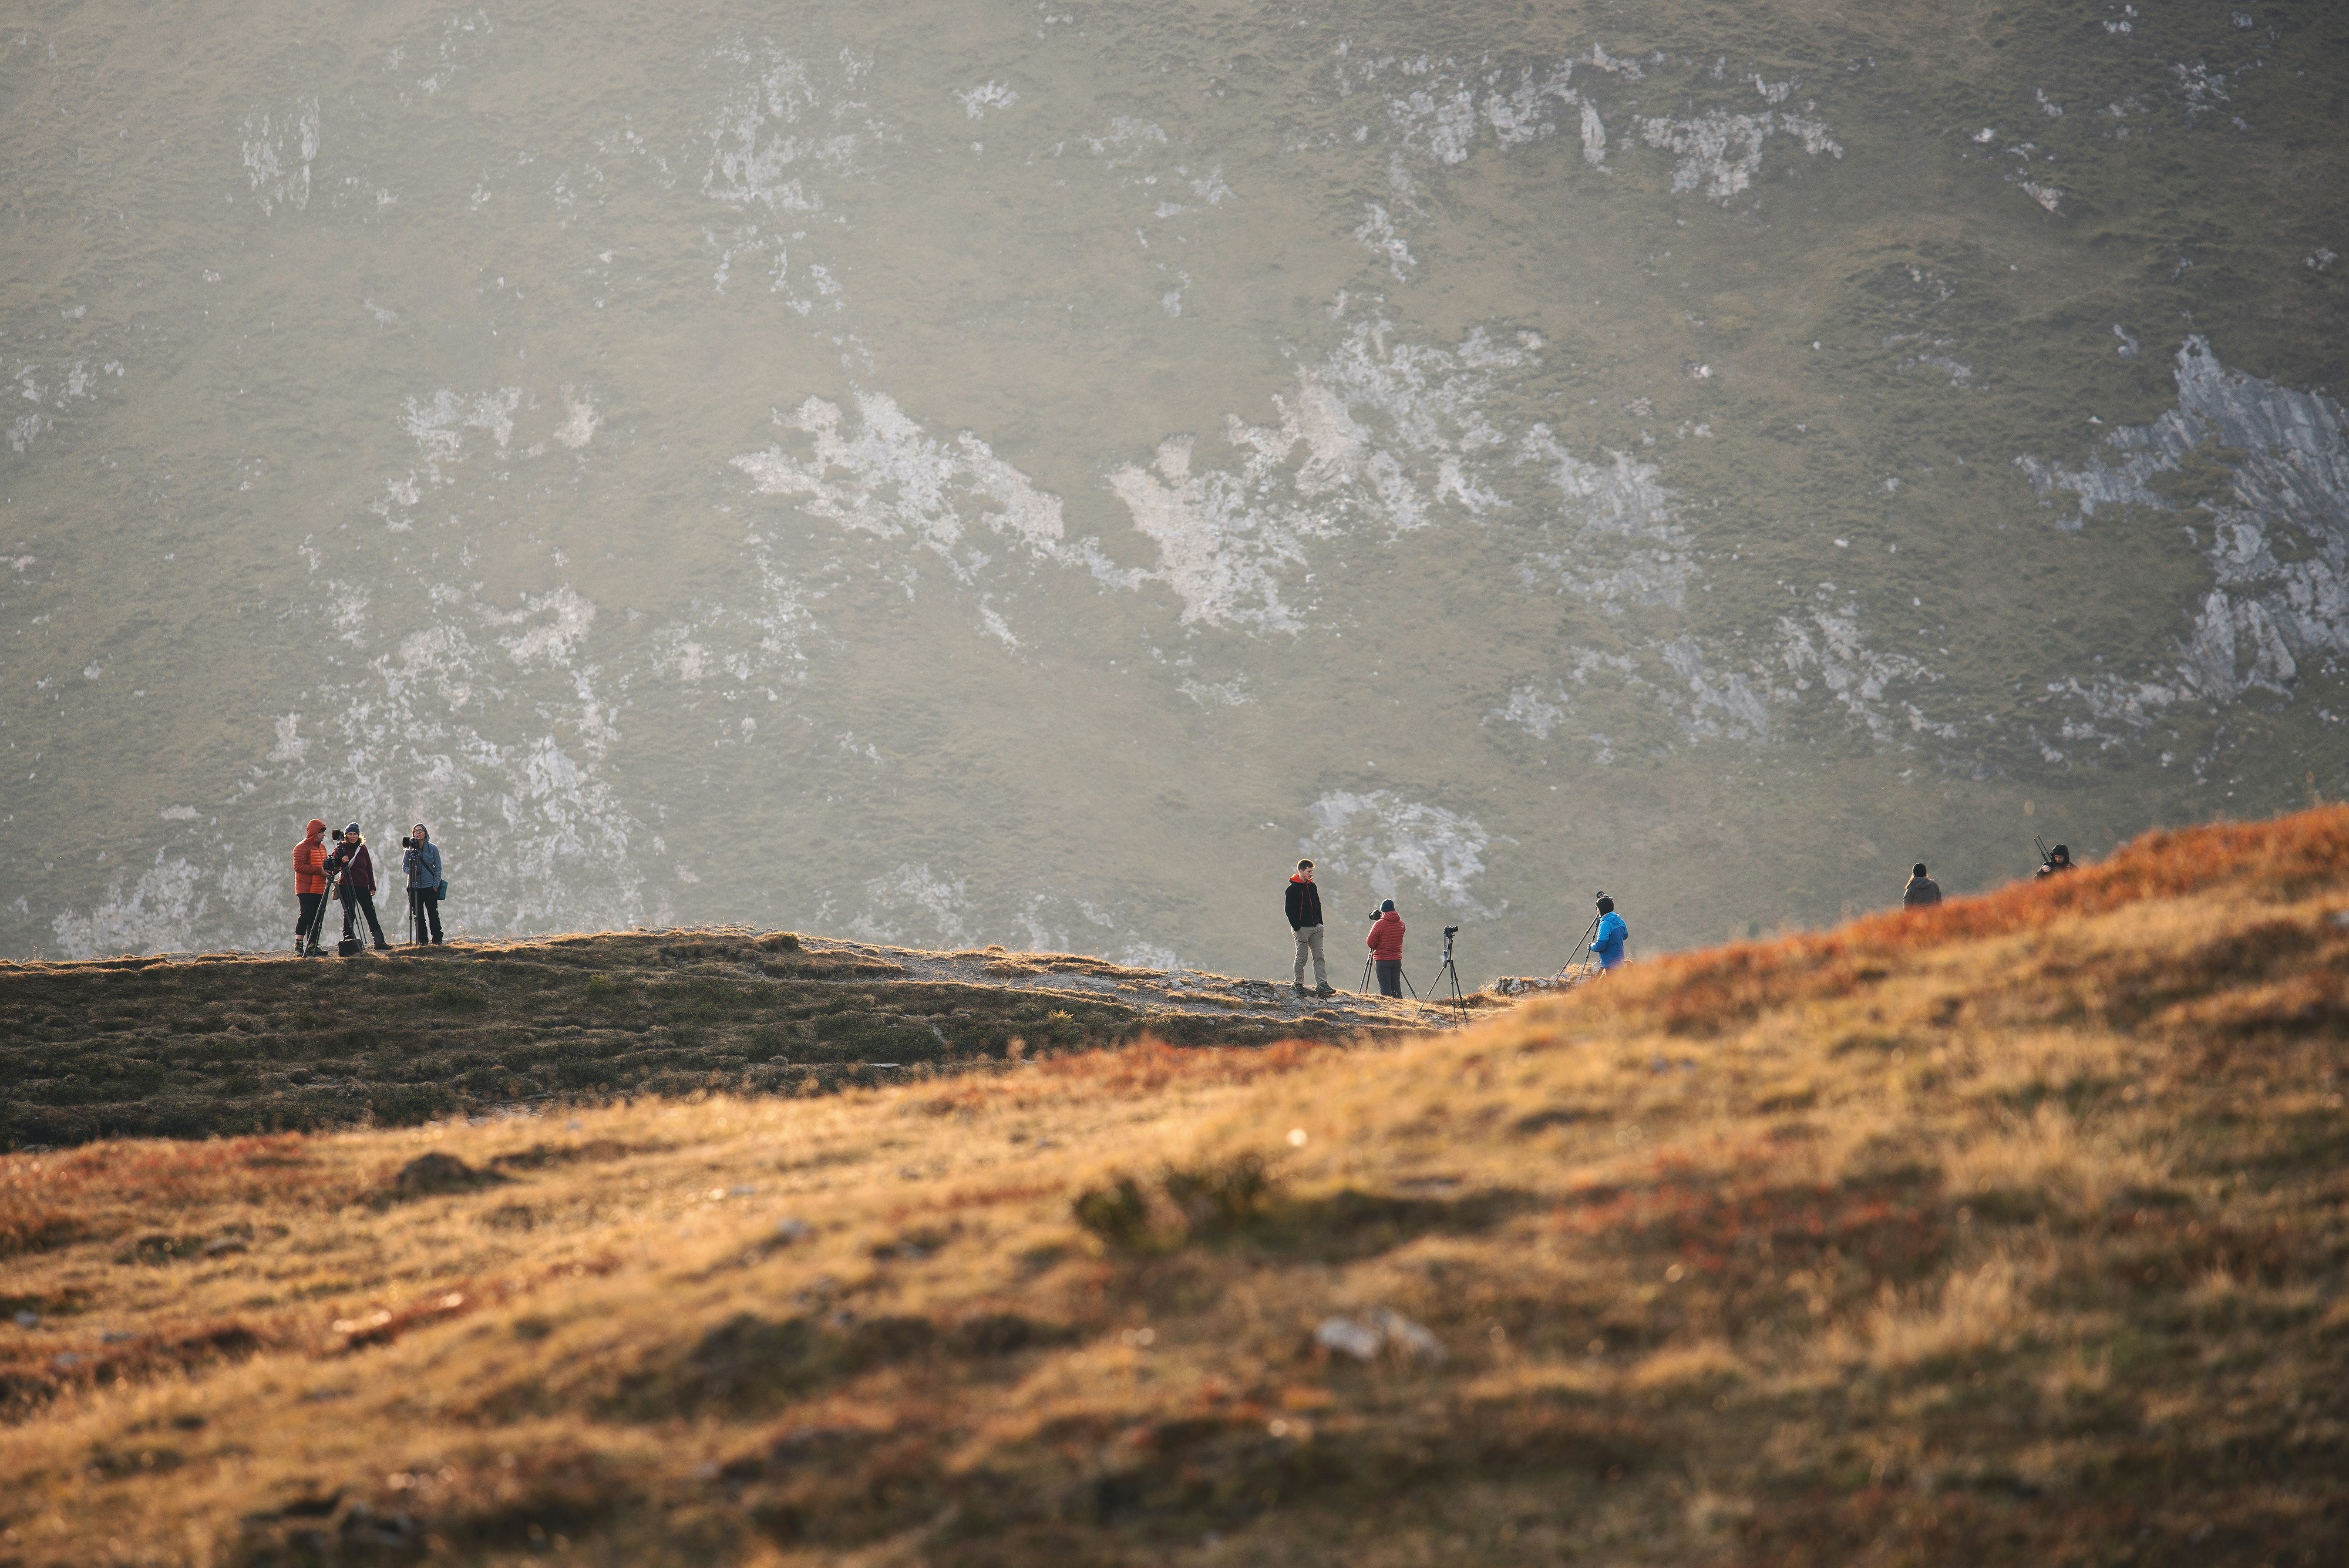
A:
(2011, 1231)
(243, 1044)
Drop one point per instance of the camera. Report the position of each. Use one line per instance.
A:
(408, 843)
(337, 835)
(1451, 931)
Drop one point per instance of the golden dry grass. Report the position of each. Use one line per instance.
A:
(2011, 1231)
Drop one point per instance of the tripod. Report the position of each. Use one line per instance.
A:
(415, 905)
(325, 901)
(1580, 948)
(1449, 975)
(1580, 964)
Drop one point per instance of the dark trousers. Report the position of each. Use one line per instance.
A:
(305, 925)
(355, 900)
(1389, 977)
(424, 914)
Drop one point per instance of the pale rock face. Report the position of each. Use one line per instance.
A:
(278, 149)
(1401, 847)
(896, 480)
(1377, 438)
(914, 903)
(2266, 613)
(1721, 153)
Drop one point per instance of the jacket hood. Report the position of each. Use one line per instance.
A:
(1299, 877)
(316, 829)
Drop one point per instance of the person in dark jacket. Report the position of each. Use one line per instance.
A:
(2059, 860)
(351, 859)
(1385, 943)
(309, 884)
(1923, 892)
(425, 886)
(1305, 924)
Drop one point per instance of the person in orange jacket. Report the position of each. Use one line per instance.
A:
(309, 883)
(1385, 943)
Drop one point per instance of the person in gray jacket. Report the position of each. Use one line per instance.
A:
(425, 886)
(1923, 892)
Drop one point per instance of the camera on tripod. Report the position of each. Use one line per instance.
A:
(1451, 931)
(407, 843)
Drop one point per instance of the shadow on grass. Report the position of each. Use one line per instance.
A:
(1239, 1203)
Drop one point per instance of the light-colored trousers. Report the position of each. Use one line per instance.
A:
(1309, 940)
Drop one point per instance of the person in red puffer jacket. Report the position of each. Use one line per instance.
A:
(1385, 943)
(309, 883)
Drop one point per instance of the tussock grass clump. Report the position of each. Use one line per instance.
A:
(2008, 1233)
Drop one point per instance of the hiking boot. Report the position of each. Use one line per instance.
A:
(383, 947)
(1322, 989)
(1302, 992)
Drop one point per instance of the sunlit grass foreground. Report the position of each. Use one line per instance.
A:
(2011, 1231)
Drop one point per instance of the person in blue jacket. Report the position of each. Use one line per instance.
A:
(1612, 934)
(426, 885)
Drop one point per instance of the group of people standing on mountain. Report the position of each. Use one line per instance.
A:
(348, 870)
(1607, 937)
(1609, 933)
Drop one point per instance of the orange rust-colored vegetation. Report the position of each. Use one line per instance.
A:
(2016, 1230)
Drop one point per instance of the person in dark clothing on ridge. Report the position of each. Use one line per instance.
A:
(1305, 924)
(309, 884)
(2058, 859)
(425, 886)
(1385, 943)
(1923, 892)
(357, 867)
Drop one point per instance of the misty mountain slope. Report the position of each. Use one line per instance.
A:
(1027, 474)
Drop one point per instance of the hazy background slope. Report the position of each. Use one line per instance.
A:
(1022, 473)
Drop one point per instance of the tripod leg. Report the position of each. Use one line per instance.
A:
(319, 921)
(1580, 948)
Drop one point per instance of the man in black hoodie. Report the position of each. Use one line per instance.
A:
(1304, 922)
